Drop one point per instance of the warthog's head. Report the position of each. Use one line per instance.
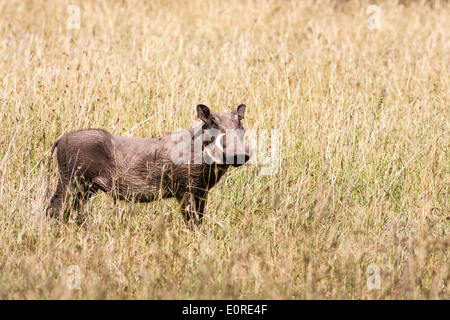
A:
(223, 136)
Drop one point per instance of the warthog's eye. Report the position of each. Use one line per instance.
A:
(213, 122)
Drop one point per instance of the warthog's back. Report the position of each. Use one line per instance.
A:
(127, 166)
(87, 152)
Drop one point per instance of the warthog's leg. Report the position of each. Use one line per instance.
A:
(80, 189)
(84, 192)
(193, 206)
(58, 199)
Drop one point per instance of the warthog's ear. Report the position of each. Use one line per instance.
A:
(203, 113)
(240, 111)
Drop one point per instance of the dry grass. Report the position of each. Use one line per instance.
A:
(364, 179)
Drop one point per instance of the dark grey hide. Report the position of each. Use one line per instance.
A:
(147, 169)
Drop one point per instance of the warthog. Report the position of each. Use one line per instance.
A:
(185, 165)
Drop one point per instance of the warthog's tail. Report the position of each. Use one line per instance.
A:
(55, 144)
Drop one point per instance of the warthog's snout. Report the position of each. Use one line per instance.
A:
(242, 158)
(232, 147)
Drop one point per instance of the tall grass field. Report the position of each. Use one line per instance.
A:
(357, 208)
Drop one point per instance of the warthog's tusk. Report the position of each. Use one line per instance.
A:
(219, 145)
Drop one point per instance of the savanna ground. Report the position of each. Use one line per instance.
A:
(364, 181)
